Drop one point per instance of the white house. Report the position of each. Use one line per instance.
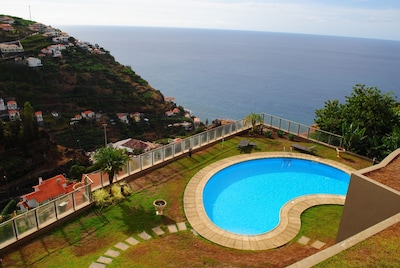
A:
(11, 47)
(14, 115)
(39, 116)
(12, 105)
(123, 117)
(34, 62)
(2, 105)
(61, 39)
(88, 114)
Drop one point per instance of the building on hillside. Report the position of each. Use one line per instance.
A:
(34, 62)
(9, 109)
(46, 191)
(123, 117)
(14, 115)
(6, 27)
(196, 122)
(12, 105)
(132, 145)
(88, 114)
(2, 105)
(39, 117)
(37, 27)
(170, 99)
(11, 49)
(6, 19)
(173, 112)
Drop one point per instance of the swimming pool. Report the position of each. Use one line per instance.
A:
(289, 224)
(246, 198)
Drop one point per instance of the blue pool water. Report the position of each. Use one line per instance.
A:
(246, 198)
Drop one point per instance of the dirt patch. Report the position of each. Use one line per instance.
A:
(387, 175)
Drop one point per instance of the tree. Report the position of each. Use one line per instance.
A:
(364, 120)
(253, 119)
(371, 109)
(29, 123)
(110, 160)
(330, 118)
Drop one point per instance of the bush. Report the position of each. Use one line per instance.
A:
(281, 133)
(102, 198)
(268, 134)
(9, 208)
(291, 136)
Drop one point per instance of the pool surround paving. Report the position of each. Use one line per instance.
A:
(289, 224)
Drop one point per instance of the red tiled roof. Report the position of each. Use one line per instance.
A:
(50, 189)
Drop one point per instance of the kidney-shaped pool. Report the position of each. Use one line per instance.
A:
(247, 197)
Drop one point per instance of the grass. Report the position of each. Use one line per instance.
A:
(86, 238)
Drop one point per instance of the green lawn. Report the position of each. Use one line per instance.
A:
(84, 239)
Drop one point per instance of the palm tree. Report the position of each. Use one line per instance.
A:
(253, 119)
(110, 160)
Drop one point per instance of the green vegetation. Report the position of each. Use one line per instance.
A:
(253, 119)
(369, 121)
(87, 237)
(110, 160)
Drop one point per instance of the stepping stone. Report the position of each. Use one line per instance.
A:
(97, 265)
(181, 226)
(104, 260)
(194, 232)
(112, 253)
(132, 241)
(158, 230)
(318, 244)
(145, 236)
(303, 240)
(172, 228)
(121, 246)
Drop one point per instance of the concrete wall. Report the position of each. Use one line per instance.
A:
(367, 203)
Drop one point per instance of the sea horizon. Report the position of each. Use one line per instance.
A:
(227, 74)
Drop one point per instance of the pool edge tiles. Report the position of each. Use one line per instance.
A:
(285, 231)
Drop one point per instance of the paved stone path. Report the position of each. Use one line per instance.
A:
(114, 252)
(316, 244)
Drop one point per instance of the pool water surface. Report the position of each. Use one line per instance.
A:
(246, 198)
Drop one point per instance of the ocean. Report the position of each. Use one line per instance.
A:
(228, 74)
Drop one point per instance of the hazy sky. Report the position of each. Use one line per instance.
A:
(359, 18)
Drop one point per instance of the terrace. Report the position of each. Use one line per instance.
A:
(82, 241)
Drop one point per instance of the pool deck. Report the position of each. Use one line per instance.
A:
(290, 222)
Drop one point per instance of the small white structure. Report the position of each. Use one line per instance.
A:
(2, 105)
(39, 116)
(12, 105)
(34, 62)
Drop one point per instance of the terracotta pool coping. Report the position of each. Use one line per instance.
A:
(289, 225)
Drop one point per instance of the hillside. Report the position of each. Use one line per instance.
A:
(76, 88)
(77, 80)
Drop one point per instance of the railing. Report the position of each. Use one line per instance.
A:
(308, 132)
(168, 152)
(35, 219)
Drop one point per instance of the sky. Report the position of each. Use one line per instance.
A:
(378, 19)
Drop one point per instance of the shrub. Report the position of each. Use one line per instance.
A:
(268, 134)
(102, 198)
(291, 136)
(9, 208)
(116, 192)
(281, 133)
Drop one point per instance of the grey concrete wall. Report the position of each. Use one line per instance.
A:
(367, 203)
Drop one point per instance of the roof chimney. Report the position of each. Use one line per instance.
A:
(40, 180)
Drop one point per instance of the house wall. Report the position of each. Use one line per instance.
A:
(367, 203)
